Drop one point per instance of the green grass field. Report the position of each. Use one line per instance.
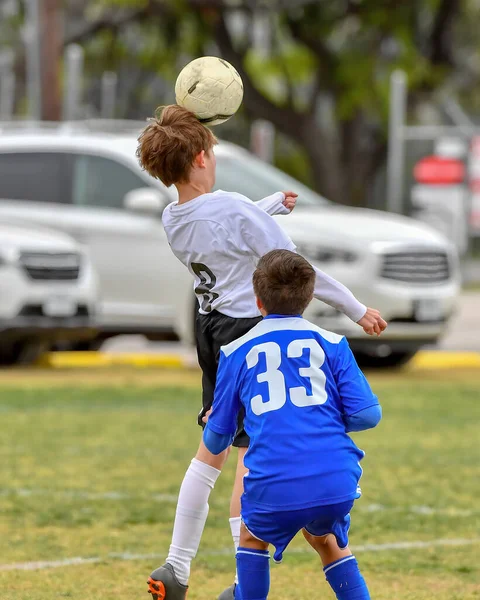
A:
(91, 464)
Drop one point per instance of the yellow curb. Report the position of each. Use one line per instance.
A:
(74, 360)
(445, 360)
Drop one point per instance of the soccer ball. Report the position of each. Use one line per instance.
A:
(210, 88)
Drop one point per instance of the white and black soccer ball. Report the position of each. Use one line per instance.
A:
(210, 88)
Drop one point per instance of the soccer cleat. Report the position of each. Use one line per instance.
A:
(228, 594)
(163, 584)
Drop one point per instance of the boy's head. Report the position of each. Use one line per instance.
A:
(177, 149)
(283, 283)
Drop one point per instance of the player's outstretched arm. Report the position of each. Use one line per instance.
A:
(333, 293)
(372, 322)
(280, 203)
(256, 231)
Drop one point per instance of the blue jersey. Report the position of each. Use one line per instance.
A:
(299, 384)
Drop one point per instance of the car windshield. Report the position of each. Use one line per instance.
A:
(256, 179)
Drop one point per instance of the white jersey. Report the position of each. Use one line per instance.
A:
(220, 236)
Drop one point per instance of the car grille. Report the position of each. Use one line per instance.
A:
(417, 266)
(36, 310)
(51, 267)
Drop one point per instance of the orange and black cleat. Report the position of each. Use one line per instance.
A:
(163, 584)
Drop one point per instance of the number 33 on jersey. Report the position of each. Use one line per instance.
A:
(275, 379)
(286, 371)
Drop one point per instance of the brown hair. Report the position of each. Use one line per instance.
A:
(284, 282)
(170, 142)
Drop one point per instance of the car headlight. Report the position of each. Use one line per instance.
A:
(323, 254)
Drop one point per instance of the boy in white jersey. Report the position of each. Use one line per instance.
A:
(218, 237)
(302, 392)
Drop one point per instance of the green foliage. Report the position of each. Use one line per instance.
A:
(292, 67)
(108, 4)
(355, 60)
(10, 31)
(292, 158)
(150, 42)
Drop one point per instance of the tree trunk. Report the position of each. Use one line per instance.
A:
(323, 156)
(52, 47)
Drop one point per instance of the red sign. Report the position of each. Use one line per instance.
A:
(475, 186)
(437, 170)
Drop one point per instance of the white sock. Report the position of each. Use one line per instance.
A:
(190, 518)
(235, 523)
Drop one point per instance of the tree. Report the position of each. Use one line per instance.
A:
(352, 48)
(51, 53)
(13, 33)
(330, 60)
(325, 82)
(144, 41)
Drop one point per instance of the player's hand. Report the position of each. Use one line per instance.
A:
(372, 322)
(206, 415)
(290, 200)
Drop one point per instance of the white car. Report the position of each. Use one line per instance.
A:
(48, 291)
(86, 181)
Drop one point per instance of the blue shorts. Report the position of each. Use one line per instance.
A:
(279, 528)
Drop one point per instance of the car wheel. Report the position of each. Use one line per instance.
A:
(22, 353)
(392, 360)
(87, 345)
(80, 346)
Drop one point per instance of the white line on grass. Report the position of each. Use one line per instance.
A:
(78, 560)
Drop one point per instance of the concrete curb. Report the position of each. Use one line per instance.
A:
(75, 360)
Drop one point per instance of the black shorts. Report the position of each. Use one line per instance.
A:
(211, 332)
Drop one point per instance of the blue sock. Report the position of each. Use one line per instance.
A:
(346, 580)
(253, 574)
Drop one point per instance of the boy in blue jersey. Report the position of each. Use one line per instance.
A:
(302, 393)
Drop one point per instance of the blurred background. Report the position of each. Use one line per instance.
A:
(369, 104)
